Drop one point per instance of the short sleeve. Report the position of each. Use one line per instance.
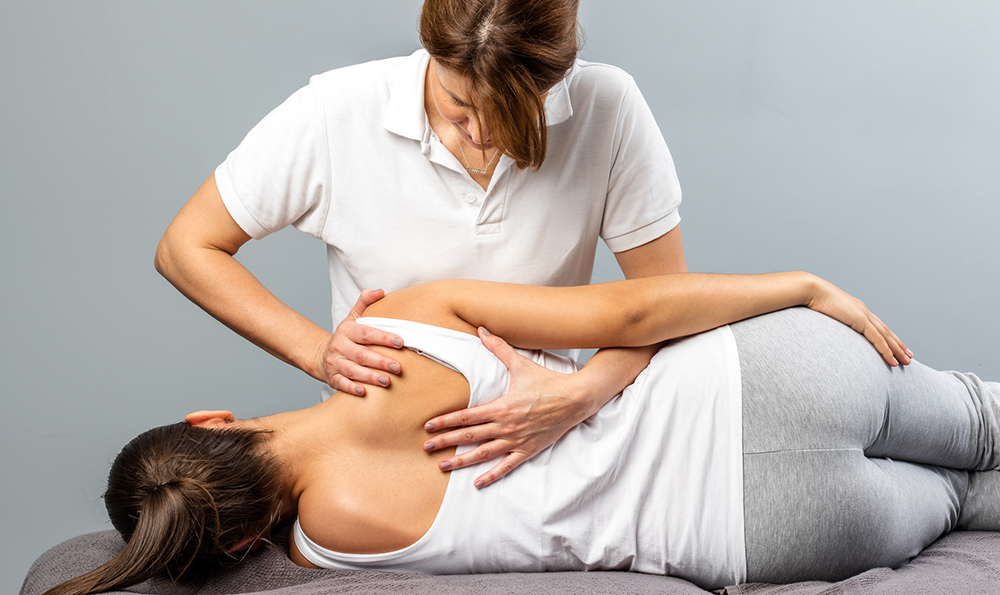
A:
(643, 191)
(280, 174)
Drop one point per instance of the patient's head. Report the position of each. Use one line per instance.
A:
(182, 496)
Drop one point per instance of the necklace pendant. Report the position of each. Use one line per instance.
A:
(472, 170)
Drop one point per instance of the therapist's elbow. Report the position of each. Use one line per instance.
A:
(164, 260)
(161, 260)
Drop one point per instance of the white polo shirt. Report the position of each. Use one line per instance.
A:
(351, 159)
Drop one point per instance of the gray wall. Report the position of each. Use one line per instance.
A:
(856, 139)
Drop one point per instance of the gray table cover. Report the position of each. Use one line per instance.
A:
(959, 563)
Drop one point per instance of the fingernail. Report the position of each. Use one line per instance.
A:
(895, 362)
(383, 380)
(429, 427)
(397, 342)
(394, 368)
(428, 446)
(485, 331)
(445, 465)
(909, 353)
(479, 484)
(359, 390)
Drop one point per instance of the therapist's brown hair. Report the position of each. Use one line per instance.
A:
(512, 52)
(183, 497)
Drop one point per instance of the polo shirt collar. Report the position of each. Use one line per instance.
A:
(558, 107)
(405, 113)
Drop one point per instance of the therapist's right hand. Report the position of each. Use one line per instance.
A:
(347, 363)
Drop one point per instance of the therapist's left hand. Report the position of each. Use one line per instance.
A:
(541, 406)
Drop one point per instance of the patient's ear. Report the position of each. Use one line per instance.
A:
(208, 419)
(243, 544)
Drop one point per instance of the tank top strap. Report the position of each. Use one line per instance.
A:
(448, 540)
(462, 352)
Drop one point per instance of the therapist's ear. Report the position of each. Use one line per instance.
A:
(208, 419)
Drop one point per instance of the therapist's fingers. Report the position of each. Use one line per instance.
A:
(470, 433)
(457, 419)
(487, 451)
(346, 385)
(347, 366)
(502, 350)
(535, 412)
(356, 378)
(344, 347)
(361, 334)
(508, 464)
(490, 412)
(367, 298)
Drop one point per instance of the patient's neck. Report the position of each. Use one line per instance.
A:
(293, 440)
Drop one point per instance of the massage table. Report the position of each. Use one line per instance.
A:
(962, 562)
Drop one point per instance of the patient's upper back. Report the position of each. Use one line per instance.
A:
(376, 490)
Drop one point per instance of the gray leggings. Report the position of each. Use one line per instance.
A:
(849, 464)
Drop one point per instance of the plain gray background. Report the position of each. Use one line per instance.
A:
(858, 139)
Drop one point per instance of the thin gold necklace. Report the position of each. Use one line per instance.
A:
(473, 170)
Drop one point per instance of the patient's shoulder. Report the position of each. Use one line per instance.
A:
(377, 502)
(428, 303)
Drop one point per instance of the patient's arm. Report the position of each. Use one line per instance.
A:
(638, 312)
(633, 312)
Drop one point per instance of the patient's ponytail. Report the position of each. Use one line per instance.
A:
(182, 497)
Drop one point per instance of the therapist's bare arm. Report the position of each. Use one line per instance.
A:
(609, 371)
(618, 367)
(196, 254)
(662, 256)
(543, 405)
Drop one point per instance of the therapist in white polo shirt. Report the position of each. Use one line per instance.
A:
(490, 154)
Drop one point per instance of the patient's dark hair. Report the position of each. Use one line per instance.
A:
(183, 497)
(511, 51)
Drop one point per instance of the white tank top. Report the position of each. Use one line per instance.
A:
(651, 483)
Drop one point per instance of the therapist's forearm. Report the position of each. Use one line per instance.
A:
(225, 289)
(609, 371)
(196, 256)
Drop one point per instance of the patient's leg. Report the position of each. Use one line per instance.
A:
(811, 382)
(823, 415)
(828, 515)
(981, 510)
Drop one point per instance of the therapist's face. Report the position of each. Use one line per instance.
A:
(451, 97)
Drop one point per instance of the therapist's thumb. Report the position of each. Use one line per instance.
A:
(498, 347)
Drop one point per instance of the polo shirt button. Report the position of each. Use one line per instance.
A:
(470, 198)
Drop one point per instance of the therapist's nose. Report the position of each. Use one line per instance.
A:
(476, 132)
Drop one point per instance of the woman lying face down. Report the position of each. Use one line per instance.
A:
(364, 480)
